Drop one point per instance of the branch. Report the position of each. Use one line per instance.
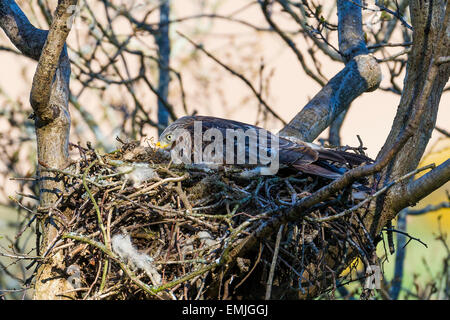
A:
(399, 257)
(300, 208)
(360, 74)
(350, 33)
(390, 27)
(371, 197)
(163, 42)
(290, 43)
(426, 184)
(25, 37)
(334, 136)
(273, 264)
(424, 83)
(443, 131)
(49, 61)
(428, 208)
(383, 8)
(49, 99)
(240, 76)
(322, 44)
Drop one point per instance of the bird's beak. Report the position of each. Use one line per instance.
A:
(161, 146)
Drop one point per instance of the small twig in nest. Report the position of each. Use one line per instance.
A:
(274, 263)
(376, 194)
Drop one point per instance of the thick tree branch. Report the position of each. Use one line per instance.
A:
(424, 83)
(28, 39)
(49, 61)
(49, 99)
(163, 42)
(350, 33)
(423, 186)
(425, 97)
(361, 73)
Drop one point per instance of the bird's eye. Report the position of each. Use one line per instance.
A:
(169, 137)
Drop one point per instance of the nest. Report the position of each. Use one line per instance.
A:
(143, 228)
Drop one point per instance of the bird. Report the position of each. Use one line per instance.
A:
(293, 153)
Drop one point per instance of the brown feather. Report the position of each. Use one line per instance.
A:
(317, 170)
(303, 156)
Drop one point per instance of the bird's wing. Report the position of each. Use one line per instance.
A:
(333, 155)
(293, 153)
(317, 170)
(349, 157)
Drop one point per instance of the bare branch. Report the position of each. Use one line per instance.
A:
(273, 264)
(163, 41)
(361, 73)
(240, 76)
(322, 45)
(334, 136)
(351, 35)
(399, 257)
(428, 208)
(290, 43)
(373, 196)
(28, 39)
(383, 8)
(48, 62)
(424, 83)
(443, 131)
(426, 184)
(49, 99)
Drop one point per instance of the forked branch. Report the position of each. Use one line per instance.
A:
(360, 74)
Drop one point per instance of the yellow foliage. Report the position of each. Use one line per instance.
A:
(438, 153)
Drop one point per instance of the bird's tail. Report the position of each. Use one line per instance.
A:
(318, 170)
(343, 157)
(326, 170)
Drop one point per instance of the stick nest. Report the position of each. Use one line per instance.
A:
(143, 228)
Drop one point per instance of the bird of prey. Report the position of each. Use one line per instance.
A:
(303, 156)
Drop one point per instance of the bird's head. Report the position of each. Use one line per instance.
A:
(166, 139)
(176, 132)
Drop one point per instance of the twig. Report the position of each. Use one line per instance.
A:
(274, 263)
(383, 8)
(443, 131)
(376, 194)
(240, 76)
(428, 208)
(113, 256)
(100, 221)
(400, 257)
(408, 235)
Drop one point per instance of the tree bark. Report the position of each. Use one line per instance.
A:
(49, 100)
(425, 79)
(414, 122)
(360, 74)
